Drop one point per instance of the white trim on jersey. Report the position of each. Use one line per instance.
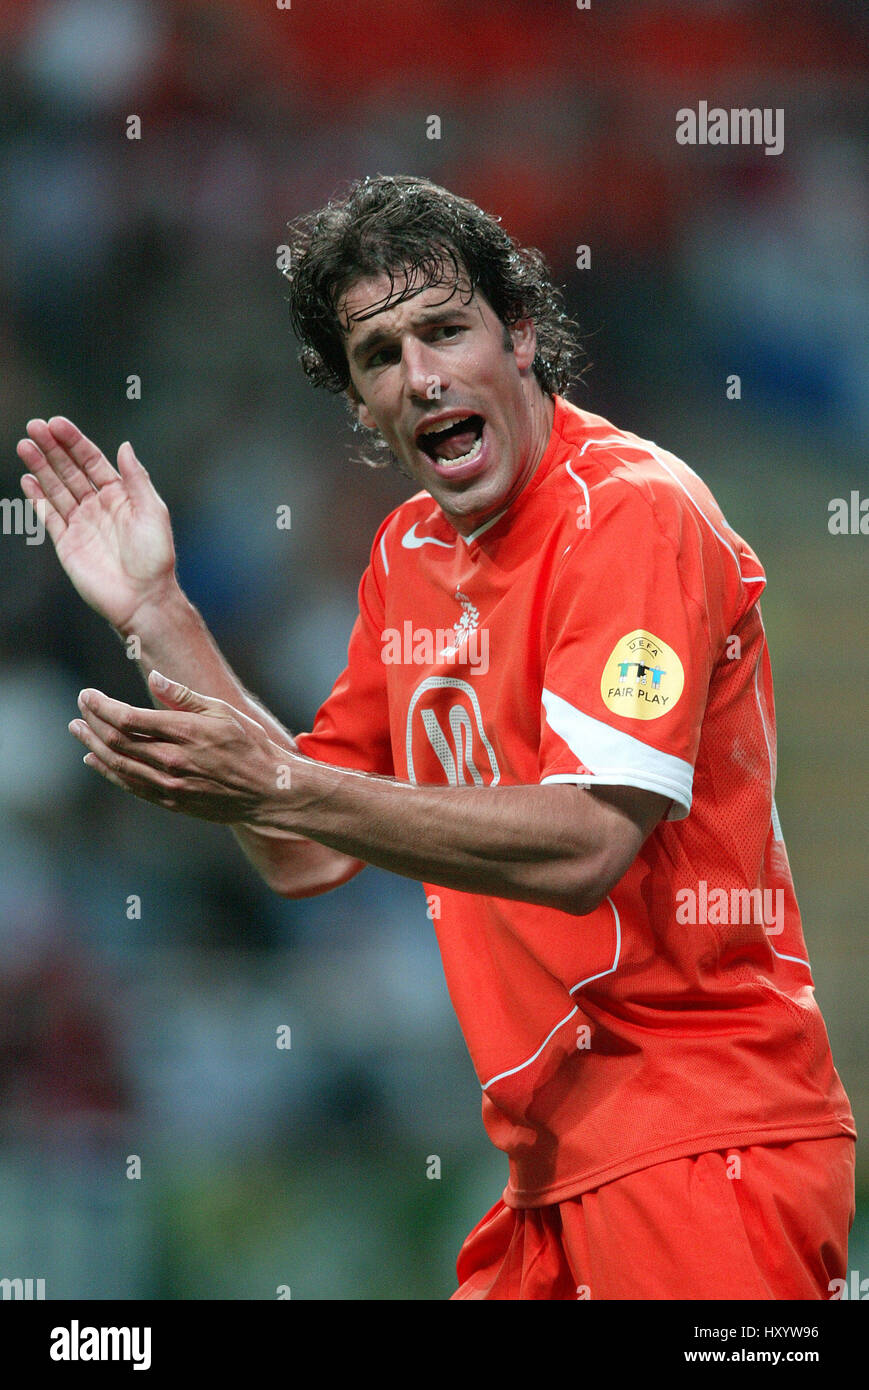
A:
(652, 450)
(799, 960)
(582, 483)
(567, 1017)
(485, 526)
(614, 758)
(491, 522)
(776, 824)
(656, 455)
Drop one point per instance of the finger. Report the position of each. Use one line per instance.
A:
(150, 752)
(65, 468)
(54, 522)
(158, 724)
(132, 774)
(180, 697)
(84, 453)
(134, 474)
(155, 796)
(92, 761)
(52, 486)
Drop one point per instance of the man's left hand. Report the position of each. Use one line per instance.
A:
(198, 755)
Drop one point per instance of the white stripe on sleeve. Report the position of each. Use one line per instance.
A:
(614, 758)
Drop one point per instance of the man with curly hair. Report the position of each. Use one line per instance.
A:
(557, 714)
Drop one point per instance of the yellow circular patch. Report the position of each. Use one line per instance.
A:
(643, 677)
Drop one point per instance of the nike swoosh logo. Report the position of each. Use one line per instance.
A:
(411, 541)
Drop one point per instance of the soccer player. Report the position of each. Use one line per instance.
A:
(617, 919)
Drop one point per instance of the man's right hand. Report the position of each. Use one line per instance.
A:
(113, 537)
(110, 528)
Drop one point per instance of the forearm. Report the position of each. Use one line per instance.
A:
(173, 639)
(542, 844)
(558, 845)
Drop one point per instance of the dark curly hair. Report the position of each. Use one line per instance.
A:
(406, 226)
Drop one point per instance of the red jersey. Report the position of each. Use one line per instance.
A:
(603, 629)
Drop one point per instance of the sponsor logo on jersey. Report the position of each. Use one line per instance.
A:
(446, 739)
(643, 677)
(411, 541)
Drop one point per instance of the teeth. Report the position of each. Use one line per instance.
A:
(447, 424)
(463, 458)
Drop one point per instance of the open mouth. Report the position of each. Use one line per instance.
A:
(454, 442)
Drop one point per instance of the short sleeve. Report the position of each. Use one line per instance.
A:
(351, 728)
(629, 641)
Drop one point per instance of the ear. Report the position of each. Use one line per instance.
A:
(360, 409)
(524, 338)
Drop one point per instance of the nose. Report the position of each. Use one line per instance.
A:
(423, 372)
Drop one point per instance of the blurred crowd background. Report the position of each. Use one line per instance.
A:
(154, 1035)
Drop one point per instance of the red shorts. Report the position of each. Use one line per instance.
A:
(767, 1222)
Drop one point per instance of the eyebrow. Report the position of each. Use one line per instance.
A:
(378, 336)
